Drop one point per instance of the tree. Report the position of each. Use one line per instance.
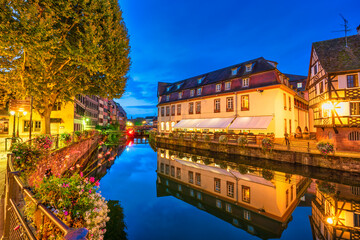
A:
(53, 50)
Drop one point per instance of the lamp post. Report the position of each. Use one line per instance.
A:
(18, 123)
(13, 135)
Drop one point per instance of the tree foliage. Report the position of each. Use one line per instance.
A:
(53, 50)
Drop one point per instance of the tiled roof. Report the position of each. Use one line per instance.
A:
(295, 78)
(334, 56)
(258, 65)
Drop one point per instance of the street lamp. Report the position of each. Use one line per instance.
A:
(13, 114)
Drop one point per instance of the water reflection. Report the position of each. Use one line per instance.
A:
(257, 200)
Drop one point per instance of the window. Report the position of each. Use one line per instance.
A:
(246, 194)
(57, 106)
(227, 85)
(167, 97)
(167, 169)
(198, 107)
(245, 82)
(179, 109)
(191, 177)
(299, 85)
(180, 95)
(287, 198)
(218, 203)
(173, 110)
(198, 195)
(168, 89)
(285, 126)
(284, 101)
(247, 215)
(217, 185)
(162, 168)
(162, 126)
(248, 67)
(321, 87)
(229, 104)
(245, 103)
(178, 173)
(354, 136)
(355, 190)
(230, 189)
(200, 80)
(162, 111)
(178, 86)
(191, 108)
(167, 126)
(355, 108)
(172, 171)
(198, 178)
(234, 71)
(290, 126)
(218, 87)
(179, 188)
(352, 81)
(192, 193)
(292, 193)
(216, 105)
(315, 69)
(167, 110)
(192, 92)
(228, 207)
(289, 103)
(198, 91)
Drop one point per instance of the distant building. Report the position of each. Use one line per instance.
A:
(334, 92)
(252, 96)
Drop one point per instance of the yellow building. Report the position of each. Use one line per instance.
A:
(253, 96)
(260, 201)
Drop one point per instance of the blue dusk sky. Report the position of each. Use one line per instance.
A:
(175, 40)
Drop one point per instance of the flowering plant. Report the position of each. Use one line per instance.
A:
(268, 174)
(267, 144)
(223, 139)
(194, 137)
(325, 148)
(242, 141)
(26, 156)
(75, 201)
(65, 138)
(78, 135)
(207, 138)
(43, 142)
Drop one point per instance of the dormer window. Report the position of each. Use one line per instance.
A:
(299, 85)
(178, 86)
(192, 92)
(200, 80)
(168, 89)
(227, 85)
(198, 91)
(167, 97)
(248, 67)
(218, 87)
(245, 82)
(180, 95)
(234, 71)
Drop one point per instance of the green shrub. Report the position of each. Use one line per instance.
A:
(194, 158)
(223, 139)
(242, 141)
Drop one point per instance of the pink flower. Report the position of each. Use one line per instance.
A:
(92, 179)
(90, 191)
(81, 174)
(97, 183)
(66, 213)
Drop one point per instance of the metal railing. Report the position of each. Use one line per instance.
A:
(17, 226)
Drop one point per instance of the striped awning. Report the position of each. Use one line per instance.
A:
(258, 122)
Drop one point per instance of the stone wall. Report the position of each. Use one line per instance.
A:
(61, 160)
(301, 158)
(341, 139)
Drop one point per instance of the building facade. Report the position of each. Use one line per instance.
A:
(253, 96)
(334, 92)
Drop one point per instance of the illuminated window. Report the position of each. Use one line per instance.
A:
(198, 178)
(245, 103)
(246, 194)
(192, 92)
(355, 108)
(248, 67)
(162, 126)
(227, 85)
(167, 126)
(218, 87)
(247, 215)
(191, 108)
(199, 91)
(217, 185)
(245, 82)
(217, 105)
(191, 177)
(352, 80)
(230, 189)
(172, 126)
(179, 109)
(229, 104)
(178, 173)
(299, 85)
(198, 107)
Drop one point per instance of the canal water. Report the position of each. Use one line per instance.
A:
(177, 195)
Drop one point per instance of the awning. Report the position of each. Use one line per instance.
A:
(258, 122)
(207, 123)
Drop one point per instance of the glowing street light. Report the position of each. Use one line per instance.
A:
(330, 220)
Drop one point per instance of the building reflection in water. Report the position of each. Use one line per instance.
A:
(259, 201)
(336, 212)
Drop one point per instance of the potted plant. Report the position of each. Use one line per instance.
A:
(325, 148)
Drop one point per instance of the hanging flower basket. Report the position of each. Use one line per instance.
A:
(325, 148)
(267, 144)
(242, 141)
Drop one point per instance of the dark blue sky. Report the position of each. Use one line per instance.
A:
(174, 40)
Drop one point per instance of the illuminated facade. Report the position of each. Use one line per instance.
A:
(251, 96)
(334, 92)
(257, 200)
(336, 212)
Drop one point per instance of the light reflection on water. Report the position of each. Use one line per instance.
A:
(253, 202)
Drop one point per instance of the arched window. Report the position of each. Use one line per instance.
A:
(354, 136)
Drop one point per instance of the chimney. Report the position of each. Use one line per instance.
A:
(358, 29)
